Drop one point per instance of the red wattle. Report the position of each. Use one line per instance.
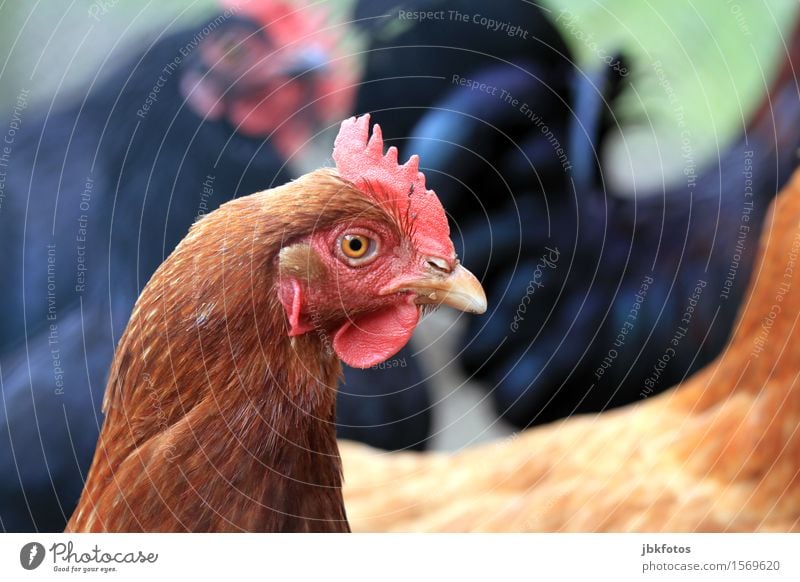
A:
(376, 337)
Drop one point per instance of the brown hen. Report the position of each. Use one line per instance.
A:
(220, 403)
(720, 452)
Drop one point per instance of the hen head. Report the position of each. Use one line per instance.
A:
(270, 68)
(364, 281)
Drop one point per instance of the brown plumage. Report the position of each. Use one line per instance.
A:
(720, 452)
(217, 419)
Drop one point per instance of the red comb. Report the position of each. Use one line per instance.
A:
(287, 20)
(360, 159)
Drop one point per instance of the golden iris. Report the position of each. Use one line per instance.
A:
(355, 246)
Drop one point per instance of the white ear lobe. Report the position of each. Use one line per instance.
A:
(290, 294)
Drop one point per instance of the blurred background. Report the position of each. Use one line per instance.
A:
(596, 158)
(721, 56)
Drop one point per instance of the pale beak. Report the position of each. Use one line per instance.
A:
(312, 59)
(441, 285)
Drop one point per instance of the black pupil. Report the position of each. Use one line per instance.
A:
(355, 244)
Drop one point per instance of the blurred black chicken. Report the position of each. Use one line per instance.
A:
(418, 51)
(600, 298)
(596, 299)
(100, 189)
(422, 49)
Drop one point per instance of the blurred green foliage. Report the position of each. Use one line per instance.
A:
(50, 47)
(711, 62)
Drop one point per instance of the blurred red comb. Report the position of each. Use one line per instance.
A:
(287, 20)
(360, 159)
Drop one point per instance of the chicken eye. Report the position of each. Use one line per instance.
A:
(234, 52)
(354, 245)
(357, 248)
